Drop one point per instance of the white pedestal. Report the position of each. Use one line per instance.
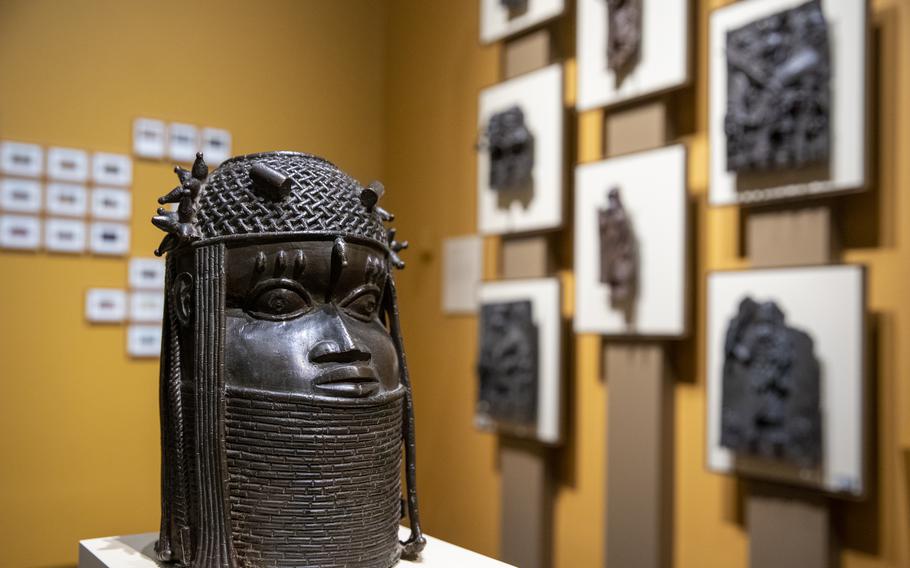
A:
(138, 551)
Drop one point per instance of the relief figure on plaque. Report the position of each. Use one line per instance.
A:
(285, 397)
(515, 7)
(779, 91)
(624, 36)
(508, 366)
(771, 388)
(511, 147)
(618, 253)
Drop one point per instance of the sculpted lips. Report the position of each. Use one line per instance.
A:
(354, 381)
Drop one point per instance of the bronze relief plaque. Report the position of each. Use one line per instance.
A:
(508, 366)
(618, 252)
(511, 147)
(779, 91)
(771, 388)
(624, 35)
(514, 5)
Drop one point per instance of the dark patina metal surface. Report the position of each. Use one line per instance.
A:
(514, 5)
(618, 251)
(779, 92)
(771, 390)
(624, 35)
(285, 396)
(508, 367)
(511, 147)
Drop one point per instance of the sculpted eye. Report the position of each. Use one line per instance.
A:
(279, 301)
(363, 304)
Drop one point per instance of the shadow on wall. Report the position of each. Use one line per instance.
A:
(869, 217)
(859, 524)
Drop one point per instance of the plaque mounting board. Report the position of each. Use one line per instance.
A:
(538, 207)
(663, 63)
(847, 167)
(653, 189)
(827, 302)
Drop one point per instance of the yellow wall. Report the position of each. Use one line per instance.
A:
(384, 89)
(435, 70)
(79, 446)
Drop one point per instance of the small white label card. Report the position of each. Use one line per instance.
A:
(105, 305)
(147, 273)
(183, 142)
(112, 169)
(462, 267)
(147, 305)
(21, 159)
(20, 195)
(149, 138)
(110, 239)
(144, 340)
(20, 232)
(216, 145)
(67, 164)
(64, 235)
(67, 199)
(111, 203)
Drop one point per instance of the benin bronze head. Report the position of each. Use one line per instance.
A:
(285, 395)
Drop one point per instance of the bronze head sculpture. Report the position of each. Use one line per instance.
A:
(285, 395)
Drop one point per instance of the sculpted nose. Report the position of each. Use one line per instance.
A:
(337, 345)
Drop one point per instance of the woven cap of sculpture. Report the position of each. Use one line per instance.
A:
(272, 193)
(320, 198)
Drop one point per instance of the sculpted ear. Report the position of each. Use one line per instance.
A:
(182, 297)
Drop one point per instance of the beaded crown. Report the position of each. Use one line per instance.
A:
(273, 193)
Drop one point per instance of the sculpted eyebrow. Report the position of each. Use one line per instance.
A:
(283, 265)
(339, 263)
(287, 264)
(375, 270)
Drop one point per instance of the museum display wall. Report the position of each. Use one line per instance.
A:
(392, 90)
(81, 415)
(438, 73)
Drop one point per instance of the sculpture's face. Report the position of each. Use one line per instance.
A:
(299, 320)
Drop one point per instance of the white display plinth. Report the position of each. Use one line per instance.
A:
(138, 551)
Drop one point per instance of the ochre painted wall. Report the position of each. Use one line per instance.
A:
(435, 70)
(79, 419)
